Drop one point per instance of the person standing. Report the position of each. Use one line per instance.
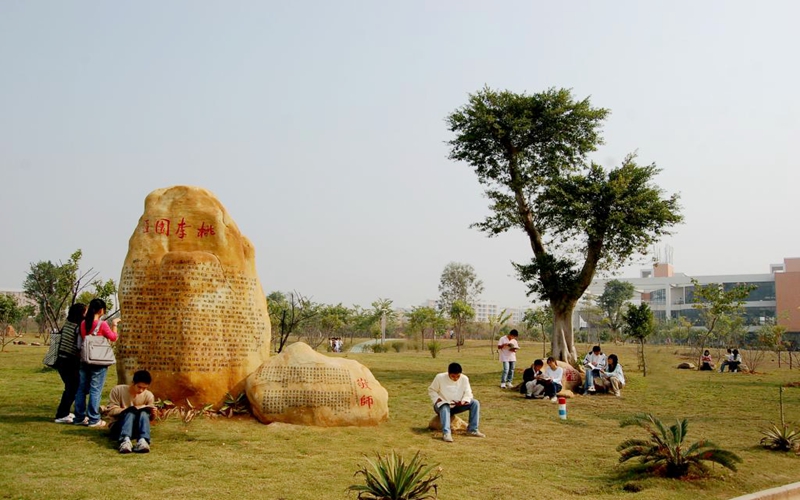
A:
(93, 377)
(450, 394)
(68, 363)
(508, 347)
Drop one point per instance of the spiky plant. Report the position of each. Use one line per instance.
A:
(781, 437)
(665, 452)
(391, 478)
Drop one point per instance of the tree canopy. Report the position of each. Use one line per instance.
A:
(458, 282)
(615, 294)
(530, 153)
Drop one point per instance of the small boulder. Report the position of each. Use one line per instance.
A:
(572, 378)
(566, 393)
(456, 424)
(687, 366)
(301, 386)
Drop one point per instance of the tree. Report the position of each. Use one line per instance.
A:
(640, 324)
(461, 313)
(495, 324)
(530, 154)
(288, 312)
(10, 314)
(542, 317)
(383, 312)
(105, 291)
(458, 282)
(324, 321)
(715, 302)
(421, 319)
(614, 296)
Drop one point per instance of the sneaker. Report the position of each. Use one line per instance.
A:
(529, 396)
(554, 399)
(97, 425)
(447, 438)
(503, 385)
(65, 420)
(85, 421)
(591, 389)
(125, 445)
(142, 446)
(477, 434)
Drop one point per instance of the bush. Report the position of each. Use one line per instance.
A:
(781, 437)
(664, 451)
(391, 478)
(434, 346)
(398, 346)
(378, 347)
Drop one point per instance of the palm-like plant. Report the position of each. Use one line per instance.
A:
(665, 451)
(781, 437)
(391, 478)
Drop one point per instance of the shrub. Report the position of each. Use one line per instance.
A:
(781, 437)
(434, 346)
(398, 346)
(664, 451)
(391, 478)
(378, 347)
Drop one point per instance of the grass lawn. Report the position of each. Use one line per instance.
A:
(528, 453)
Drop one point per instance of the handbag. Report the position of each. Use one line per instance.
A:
(96, 349)
(51, 357)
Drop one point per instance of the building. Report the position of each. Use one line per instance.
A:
(670, 294)
(485, 310)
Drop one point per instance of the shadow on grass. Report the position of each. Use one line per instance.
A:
(21, 419)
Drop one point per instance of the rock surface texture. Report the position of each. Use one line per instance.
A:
(301, 386)
(572, 377)
(193, 310)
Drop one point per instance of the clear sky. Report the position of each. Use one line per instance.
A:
(320, 126)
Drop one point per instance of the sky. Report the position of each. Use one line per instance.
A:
(320, 126)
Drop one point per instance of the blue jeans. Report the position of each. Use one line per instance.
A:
(92, 380)
(133, 424)
(590, 375)
(508, 372)
(445, 411)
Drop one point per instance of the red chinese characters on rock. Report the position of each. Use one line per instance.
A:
(367, 401)
(164, 228)
(572, 375)
(362, 384)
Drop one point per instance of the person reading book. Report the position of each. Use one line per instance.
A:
(451, 393)
(593, 363)
(508, 346)
(133, 408)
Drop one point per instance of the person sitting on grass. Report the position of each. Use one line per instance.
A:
(451, 393)
(706, 363)
(551, 379)
(133, 408)
(613, 373)
(532, 388)
(736, 360)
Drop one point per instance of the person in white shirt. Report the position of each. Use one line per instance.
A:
(613, 373)
(594, 363)
(451, 393)
(508, 346)
(551, 379)
(727, 361)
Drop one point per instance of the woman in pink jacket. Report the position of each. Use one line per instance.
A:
(93, 377)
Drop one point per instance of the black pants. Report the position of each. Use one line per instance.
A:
(69, 370)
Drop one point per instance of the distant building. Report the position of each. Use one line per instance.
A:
(485, 310)
(21, 298)
(671, 295)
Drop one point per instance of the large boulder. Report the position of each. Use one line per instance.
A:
(193, 310)
(302, 386)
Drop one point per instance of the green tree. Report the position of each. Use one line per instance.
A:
(614, 296)
(543, 318)
(496, 323)
(102, 290)
(530, 152)
(640, 324)
(53, 287)
(461, 313)
(458, 282)
(287, 312)
(715, 302)
(10, 314)
(421, 319)
(383, 311)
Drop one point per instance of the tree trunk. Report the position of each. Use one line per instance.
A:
(563, 340)
(644, 363)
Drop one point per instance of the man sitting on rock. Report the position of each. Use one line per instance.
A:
(451, 393)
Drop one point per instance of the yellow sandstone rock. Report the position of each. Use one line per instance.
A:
(193, 310)
(302, 386)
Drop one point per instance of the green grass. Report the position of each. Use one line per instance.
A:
(528, 453)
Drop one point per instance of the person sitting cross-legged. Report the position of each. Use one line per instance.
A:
(613, 373)
(531, 387)
(551, 379)
(451, 393)
(132, 407)
(594, 363)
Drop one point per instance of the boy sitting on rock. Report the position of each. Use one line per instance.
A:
(133, 408)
